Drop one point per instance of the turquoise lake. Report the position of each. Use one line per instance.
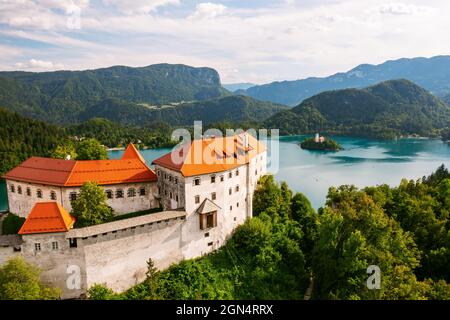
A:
(363, 162)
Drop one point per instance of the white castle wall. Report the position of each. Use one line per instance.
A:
(117, 257)
(21, 204)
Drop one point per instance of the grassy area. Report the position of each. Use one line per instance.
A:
(136, 214)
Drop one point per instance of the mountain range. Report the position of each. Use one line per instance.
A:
(432, 74)
(387, 109)
(133, 96)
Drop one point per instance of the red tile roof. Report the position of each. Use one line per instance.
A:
(55, 172)
(47, 217)
(211, 155)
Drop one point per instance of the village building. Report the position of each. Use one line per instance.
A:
(204, 189)
(128, 182)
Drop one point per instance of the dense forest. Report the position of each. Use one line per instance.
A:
(231, 108)
(60, 96)
(386, 110)
(287, 247)
(21, 138)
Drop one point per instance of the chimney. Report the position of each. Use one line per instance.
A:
(245, 140)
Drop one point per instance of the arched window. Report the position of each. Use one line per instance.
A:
(52, 195)
(109, 194)
(237, 188)
(142, 191)
(131, 192)
(119, 193)
(29, 192)
(39, 193)
(12, 188)
(19, 189)
(196, 181)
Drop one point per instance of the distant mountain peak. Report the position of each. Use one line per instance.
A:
(432, 74)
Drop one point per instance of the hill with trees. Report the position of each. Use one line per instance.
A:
(432, 74)
(388, 109)
(403, 230)
(22, 138)
(231, 108)
(61, 96)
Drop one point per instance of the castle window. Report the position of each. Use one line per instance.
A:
(165, 175)
(159, 190)
(29, 192)
(208, 220)
(256, 172)
(142, 191)
(213, 196)
(73, 196)
(210, 244)
(109, 194)
(231, 208)
(237, 172)
(55, 245)
(39, 193)
(165, 192)
(170, 178)
(131, 192)
(196, 181)
(37, 247)
(237, 204)
(12, 188)
(230, 175)
(119, 193)
(176, 198)
(197, 199)
(213, 179)
(230, 191)
(19, 189)
(221, 178)
(73, 243)
(159, 173)
(176, 180)
(52, 195)
(237, 188)
(170, 195)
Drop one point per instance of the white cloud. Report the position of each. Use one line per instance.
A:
(244, 44)
(139, 6)
(208, 10)
(39, 65)
(402, 9)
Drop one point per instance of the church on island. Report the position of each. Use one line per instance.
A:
(203, 190)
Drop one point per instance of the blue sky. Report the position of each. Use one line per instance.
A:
(255, 41)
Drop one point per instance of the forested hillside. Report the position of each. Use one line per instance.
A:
(21, 138)
(232, 108)
(385, 110)
(61, 96)
(403, 230)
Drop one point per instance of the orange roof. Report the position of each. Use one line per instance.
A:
(55, 172)
(132, 153)
(211, 155)
(47, 217)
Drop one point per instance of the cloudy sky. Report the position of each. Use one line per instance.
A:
(255, 41)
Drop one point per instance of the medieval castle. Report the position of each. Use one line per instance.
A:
(204, 188)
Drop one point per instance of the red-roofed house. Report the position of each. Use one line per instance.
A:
(129, 183)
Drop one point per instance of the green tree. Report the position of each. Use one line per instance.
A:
(101, 292)
(90, 149)
(90, 207)
(65, 150)
(270, 198)
(152, 280)
(20, 280)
